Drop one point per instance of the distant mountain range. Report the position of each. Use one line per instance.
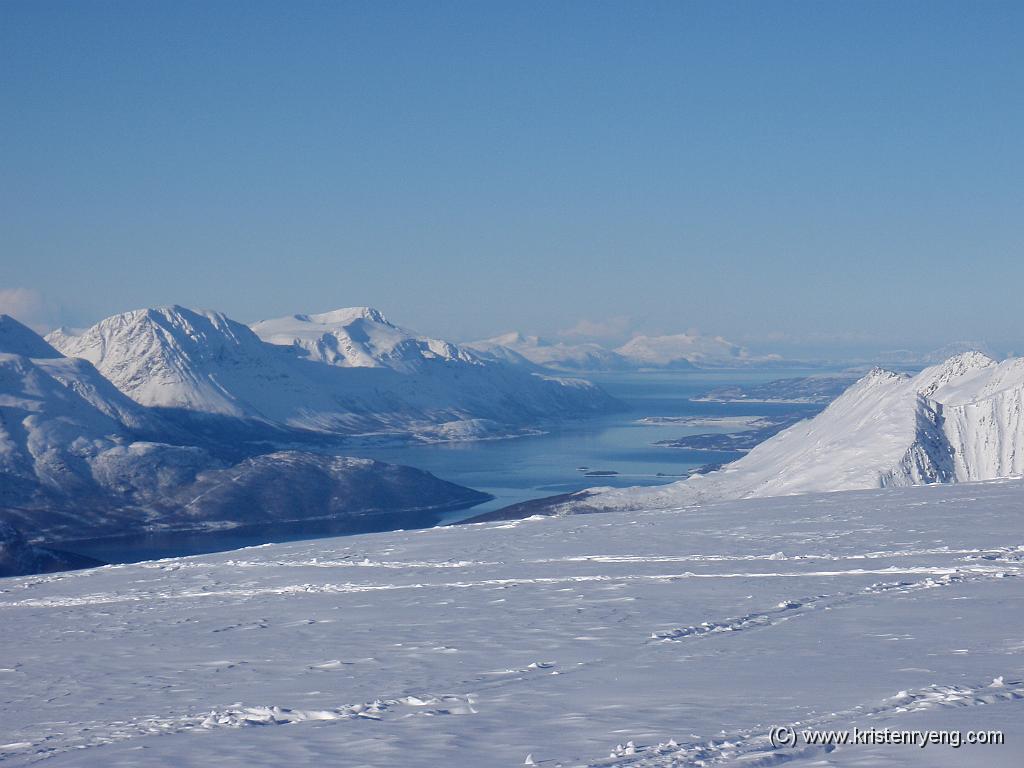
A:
(690, 351)
(677, 352)
(909, 357)
(180, 420)
(962, 420)
(349, 372)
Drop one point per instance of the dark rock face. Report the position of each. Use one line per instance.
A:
(18, 557)
(292, 485)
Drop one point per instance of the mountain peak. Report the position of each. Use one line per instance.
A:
(359, 337)
(880, 374)
(931, 379)
(177, 315)
(170, 356)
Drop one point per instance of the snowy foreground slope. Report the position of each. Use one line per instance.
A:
(347, 372)
(656, 638)
(958, 421)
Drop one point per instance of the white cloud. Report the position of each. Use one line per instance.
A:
(27, 306)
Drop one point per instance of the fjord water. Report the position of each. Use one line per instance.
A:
(516, 469)
(526, 468)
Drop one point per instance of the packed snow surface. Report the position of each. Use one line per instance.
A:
(650, 638)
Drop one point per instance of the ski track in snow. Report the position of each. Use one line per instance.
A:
(342, 588)
(789, 609)
(754, 747)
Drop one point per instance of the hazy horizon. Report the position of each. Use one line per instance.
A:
(796, 178)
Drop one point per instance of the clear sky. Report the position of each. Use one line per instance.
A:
(777, 172)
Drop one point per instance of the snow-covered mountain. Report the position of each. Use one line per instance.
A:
(18, 339)
(908, 357)
(683, 350)
(346, 372)
(56, 416)
(360, 337)
(678, 351)
(78, 458)
(180, 358)
(516, 347)
(959, 421)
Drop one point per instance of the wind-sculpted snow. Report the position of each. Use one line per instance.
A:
(959, 421)
(347, 372)
(652, 638)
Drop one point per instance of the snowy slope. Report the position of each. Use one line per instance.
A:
(657, 639)
(59, 419)
(18, 339)
(343, 373)
(958, 421)
(72, 469)
(56, 413)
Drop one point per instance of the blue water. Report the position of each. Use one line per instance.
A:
(517, 469)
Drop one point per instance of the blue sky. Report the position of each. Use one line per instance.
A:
(785, 173)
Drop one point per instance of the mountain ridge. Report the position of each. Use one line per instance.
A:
(348, 372)
(669, 352)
